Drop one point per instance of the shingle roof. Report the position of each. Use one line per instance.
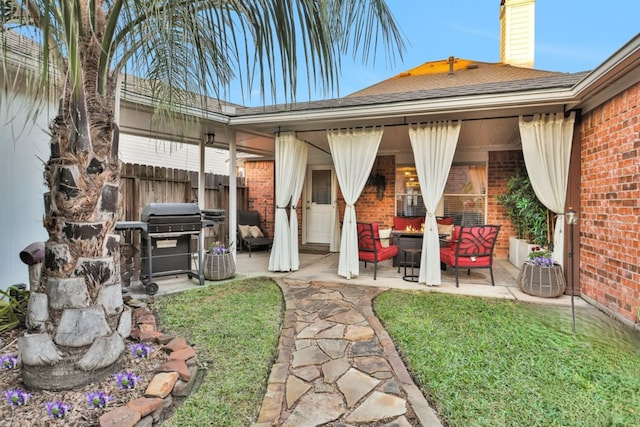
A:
(549, 80)
(457, 73)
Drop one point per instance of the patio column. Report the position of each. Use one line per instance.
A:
(353, 152)
(546, 146)
(434, 145)
(201, 198)
(233, 192)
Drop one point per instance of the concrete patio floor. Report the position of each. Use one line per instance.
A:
(322, 267)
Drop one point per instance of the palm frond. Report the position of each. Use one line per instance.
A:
(194, 49)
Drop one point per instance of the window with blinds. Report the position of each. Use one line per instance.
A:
(465, 193)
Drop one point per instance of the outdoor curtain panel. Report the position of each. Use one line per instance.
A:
(434, 145)
(291, 164)
(353, 152)
(546, 146)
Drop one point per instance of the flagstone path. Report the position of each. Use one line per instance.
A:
(337, 366)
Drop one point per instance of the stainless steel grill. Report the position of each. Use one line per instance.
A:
(167, 231)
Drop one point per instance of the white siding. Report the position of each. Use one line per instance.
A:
(25, 148)
(517, 33)
(154, 152)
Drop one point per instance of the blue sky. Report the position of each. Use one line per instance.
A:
(571, 36)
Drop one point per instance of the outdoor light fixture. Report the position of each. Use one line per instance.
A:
(572, 219)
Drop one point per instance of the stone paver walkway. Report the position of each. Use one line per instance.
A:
(337, 366)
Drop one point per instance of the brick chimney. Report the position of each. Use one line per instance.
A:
(517, 32)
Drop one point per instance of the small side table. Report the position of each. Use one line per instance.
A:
(412, 252)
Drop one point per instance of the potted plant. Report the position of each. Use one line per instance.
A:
(380, 182)
(530, 218)
(540, 276)
(218, 262)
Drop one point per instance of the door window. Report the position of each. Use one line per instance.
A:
(321, 187)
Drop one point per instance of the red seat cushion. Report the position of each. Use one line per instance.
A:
(383, 254)
(448, 256)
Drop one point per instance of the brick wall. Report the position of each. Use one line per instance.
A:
(369, 208)
(502, 165)
(610, 204)
(260, 179)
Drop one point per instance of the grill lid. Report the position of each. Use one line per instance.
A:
(215, 215)
(169, 209)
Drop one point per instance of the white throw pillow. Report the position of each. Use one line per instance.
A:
(445, 229)
(384, 234)
(255, 231)
(245, 232)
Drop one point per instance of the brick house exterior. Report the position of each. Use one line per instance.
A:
(610, 204)
(605, 164)
(603, 187)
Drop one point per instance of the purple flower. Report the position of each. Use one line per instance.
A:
(97, 399)
(7, 361)
(543, 261)
(141, 350)
(219, 248)
(57, 409)
(17, 397)
(219, 251)
(126, 380)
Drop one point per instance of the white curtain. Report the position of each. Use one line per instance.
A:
(434, 145)
(546, 145)
(291, 162)
(353, 152)
(297, 175)
(334, 244)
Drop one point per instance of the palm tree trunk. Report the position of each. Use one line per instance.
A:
(76, 321)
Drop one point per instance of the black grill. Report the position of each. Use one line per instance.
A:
(167, 231)
(172, 217)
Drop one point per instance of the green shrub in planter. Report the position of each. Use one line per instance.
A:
(527, 214)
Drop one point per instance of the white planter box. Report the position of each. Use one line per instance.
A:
(519, 250)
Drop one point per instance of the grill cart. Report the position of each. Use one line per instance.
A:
(167, 230)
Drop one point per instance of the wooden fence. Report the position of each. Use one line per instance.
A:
(142, 184)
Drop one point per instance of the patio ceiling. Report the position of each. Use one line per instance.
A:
(481, 130)
(494, 131)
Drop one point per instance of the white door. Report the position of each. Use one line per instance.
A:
(320, 193)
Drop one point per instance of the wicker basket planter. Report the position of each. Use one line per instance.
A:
(218, 267)
(546, 282)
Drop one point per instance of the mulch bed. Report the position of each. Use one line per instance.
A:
(34, 412)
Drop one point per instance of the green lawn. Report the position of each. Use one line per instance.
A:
(234, 328)
(485, 362)
(481, 362)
